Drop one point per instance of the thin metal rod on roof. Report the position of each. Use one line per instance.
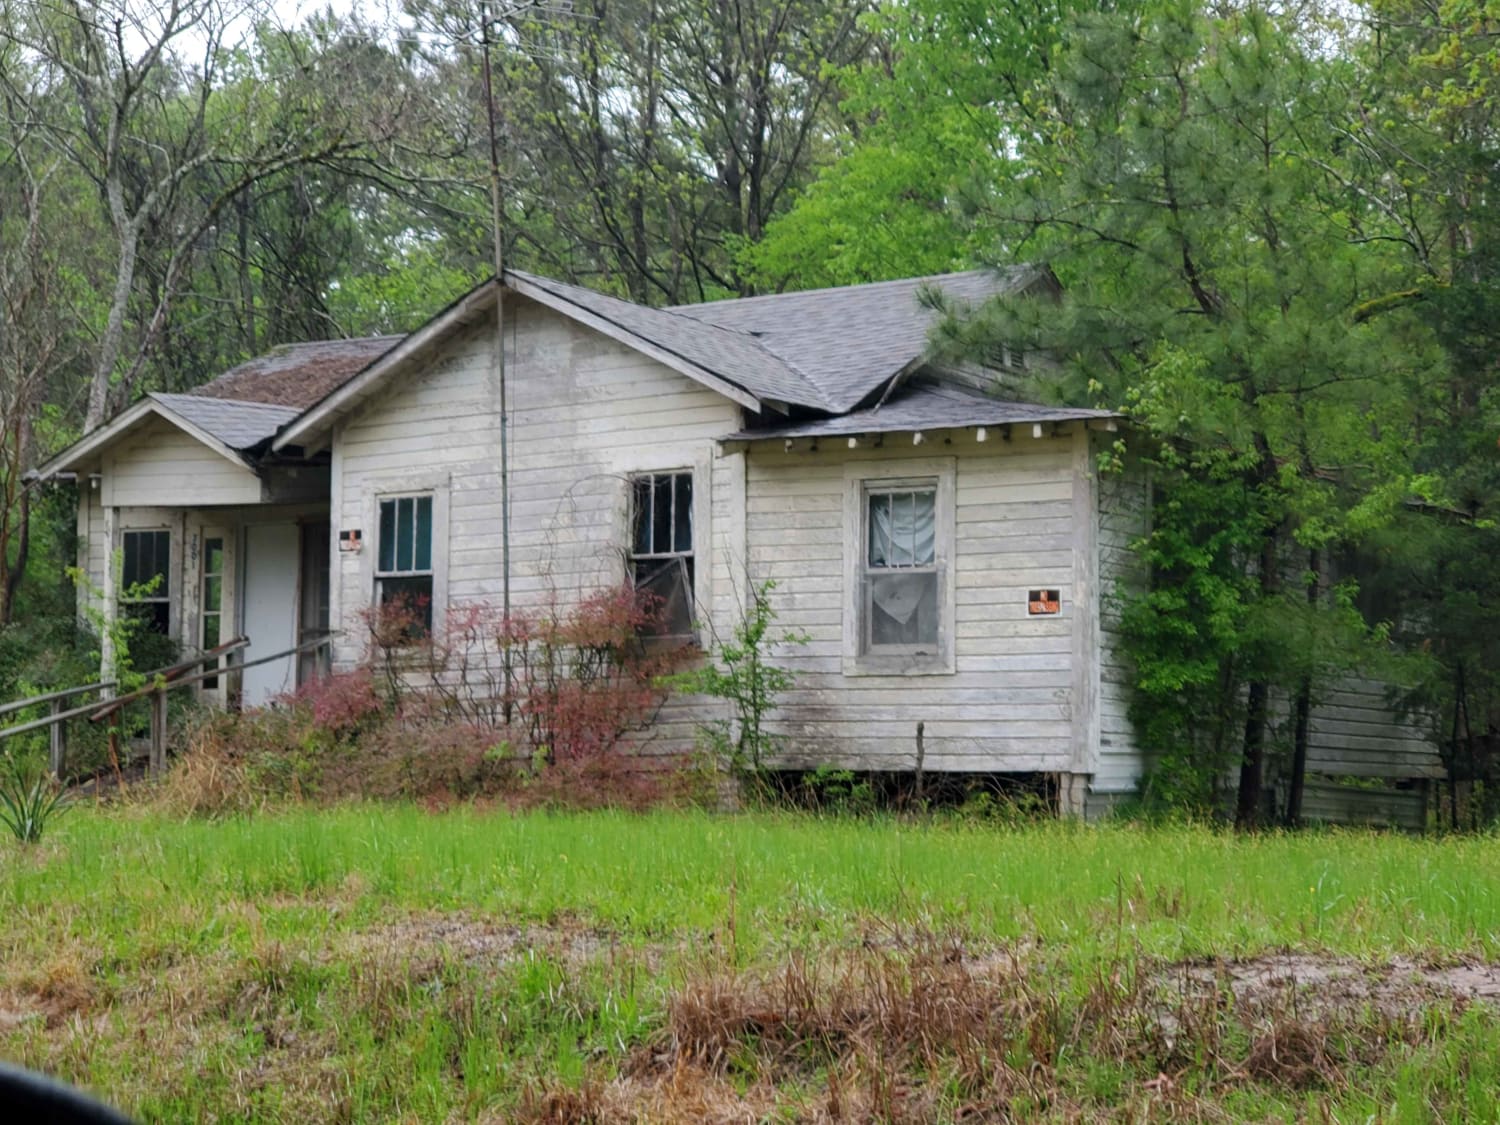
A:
(497, 231)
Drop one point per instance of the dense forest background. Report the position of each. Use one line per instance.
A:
(1274, 225)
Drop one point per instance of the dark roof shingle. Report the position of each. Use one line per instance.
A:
(239, 425)
(849, 342)
(296, 375)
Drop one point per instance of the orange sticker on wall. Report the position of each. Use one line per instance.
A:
(1044, 601)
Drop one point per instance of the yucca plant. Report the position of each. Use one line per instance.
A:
(29, 800)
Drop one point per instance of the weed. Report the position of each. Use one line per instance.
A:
(30, 799)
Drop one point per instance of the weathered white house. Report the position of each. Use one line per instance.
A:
(948, 552)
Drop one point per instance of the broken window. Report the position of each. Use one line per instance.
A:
(901, 604)
(145, 588)
(661, 547)
(899, 536)
(403, 571)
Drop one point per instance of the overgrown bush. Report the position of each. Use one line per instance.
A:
(563, 682)
(535, 711)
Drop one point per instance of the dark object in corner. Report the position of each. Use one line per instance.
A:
(33, 1099)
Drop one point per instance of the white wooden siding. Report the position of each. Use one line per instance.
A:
(1124, 516)
(585, 413)
(1354, 730)
(159, 462)
(1007, 706)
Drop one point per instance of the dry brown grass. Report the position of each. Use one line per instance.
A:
(931, 1032)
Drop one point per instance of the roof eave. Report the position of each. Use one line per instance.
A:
(96, 440)
(744, 439)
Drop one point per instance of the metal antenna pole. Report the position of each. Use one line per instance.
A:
(496, 220)
(497, 230)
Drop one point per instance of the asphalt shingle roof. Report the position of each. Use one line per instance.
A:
(848, 342)
(923, 406)
(730, 353)
(239, 425)
(297, 374)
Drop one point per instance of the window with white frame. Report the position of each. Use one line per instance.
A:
(901, 611)
(145, 585)
(403, 567)
(899, 545)
(661, 546)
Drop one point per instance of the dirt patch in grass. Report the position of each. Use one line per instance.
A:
(480, 942)
(1317, 986)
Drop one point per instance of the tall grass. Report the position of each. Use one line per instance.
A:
(282, 967)
(1174, 892)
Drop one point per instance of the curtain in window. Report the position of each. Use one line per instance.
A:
(903, 608)
(903, 529)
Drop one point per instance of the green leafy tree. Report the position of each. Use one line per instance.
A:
(1213, 271)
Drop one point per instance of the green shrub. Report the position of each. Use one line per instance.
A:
(29, 798)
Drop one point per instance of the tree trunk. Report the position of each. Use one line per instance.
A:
(1252, 766)
(17, 568)
(1258, 698)
(1303, 712)
(110, 342)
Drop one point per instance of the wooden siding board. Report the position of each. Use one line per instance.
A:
(160, 462)
(1007, 706)
(585, 411)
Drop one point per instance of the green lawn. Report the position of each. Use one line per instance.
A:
(375, 963)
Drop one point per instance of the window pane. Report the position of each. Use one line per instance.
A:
(404, 532)
(640, 515)
(903, 529)
(213, 594)
(210, 631)
(213, 556)
(661, 514)
(424, 534)
(130, 563)
(880, 530)
(387, 559)
(668, 583)
(682, 524)
(155, 616)
(145, 556)
(411, 595)
(903, 609)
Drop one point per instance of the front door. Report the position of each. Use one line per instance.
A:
(215, 601)
(269, 619)
(313, 618)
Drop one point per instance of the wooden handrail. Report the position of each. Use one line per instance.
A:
(183, 681)
(169, 671)
(22, 704)
(95, 711)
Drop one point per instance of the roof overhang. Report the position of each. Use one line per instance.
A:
(82, 451)
(311, 429)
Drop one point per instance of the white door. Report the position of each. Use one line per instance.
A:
(214, 605)
(269, 612)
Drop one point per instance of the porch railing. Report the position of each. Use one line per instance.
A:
(159, 683)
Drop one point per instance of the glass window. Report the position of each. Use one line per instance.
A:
(145, 585)
(661, 552)
(403, 573)
(212, 633)
(900, 604)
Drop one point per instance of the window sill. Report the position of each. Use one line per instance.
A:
(899, 665)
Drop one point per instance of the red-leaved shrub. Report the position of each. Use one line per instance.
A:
(562, 682)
